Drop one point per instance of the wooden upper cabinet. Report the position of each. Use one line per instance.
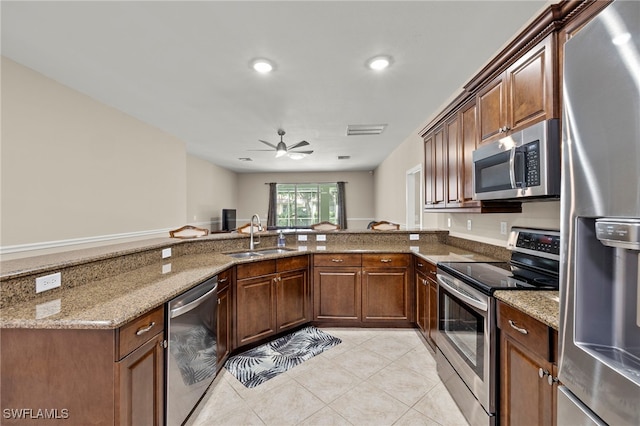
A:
(491, 104)
(429, 169)
(439, 170)
(522, 95)
(453, 163)
(468, 144)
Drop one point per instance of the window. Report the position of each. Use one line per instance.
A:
(300, 205)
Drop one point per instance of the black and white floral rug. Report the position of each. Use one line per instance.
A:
(265, 362)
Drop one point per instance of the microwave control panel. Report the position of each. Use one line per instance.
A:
(532, 163)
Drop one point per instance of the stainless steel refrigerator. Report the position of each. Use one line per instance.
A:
(599, 360)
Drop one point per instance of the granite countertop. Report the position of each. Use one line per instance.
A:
(541, 305)
(114, 301)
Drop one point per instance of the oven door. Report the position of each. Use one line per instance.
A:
(466, 336)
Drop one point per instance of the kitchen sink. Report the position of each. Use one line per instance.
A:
(258, 253)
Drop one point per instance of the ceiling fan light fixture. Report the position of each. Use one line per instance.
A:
(378, 63)
(297, 155)
(281, 150)
(263, 66)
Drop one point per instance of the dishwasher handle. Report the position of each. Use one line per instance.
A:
(192, 305)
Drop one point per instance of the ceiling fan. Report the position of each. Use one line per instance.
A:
(282, 149)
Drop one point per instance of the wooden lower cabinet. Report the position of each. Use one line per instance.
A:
(141, 377)
(225, 316)
(354, 289)
(85, 377)
(271, 296)
(426, 288)
(528, 374)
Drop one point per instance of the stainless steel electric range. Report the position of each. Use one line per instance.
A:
(466, 338)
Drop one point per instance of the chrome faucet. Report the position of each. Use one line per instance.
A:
(253, 244)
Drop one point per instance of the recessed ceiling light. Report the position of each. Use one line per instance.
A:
(379, 63)
(263, 66)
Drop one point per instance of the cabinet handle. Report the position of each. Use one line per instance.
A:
(222, 280)
(515, 327)
(420, 265)
(163, 344)
(385, 260)
(542, 372)
(433, 272)
(551, 380)
(143, 330)
(424, 282)
(337, 260)
(218, 301)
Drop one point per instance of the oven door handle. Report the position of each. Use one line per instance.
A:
(479, 304)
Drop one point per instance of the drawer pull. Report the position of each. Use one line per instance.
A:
(385, 260)
(515, 327)
(542, 372)
(222, 280)
(433, 272)
(337, 260)
(420, 265)
(143, 330)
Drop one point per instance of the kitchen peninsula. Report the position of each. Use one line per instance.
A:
(76, 335)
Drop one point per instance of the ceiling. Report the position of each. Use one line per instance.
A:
(183, 67)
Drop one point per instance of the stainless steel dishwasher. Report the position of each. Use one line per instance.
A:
(192, 349)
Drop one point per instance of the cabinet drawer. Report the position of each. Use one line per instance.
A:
(256, 269)
(524, 329)
(391, 260)
(224, 279)
(133, 334)
(337, 259)
(292, 263)
(423, 266)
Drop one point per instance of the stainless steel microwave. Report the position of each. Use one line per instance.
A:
(525, 164)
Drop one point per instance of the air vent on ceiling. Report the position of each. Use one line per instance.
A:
(343, 157)
(365, 129)
(245, 159)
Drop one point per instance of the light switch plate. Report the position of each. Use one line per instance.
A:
(414, 237)
(166, 252)
(503, 228)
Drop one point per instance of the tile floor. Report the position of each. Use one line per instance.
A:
(374, 377)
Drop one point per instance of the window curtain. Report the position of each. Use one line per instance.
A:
(272, 214)
(342, 206)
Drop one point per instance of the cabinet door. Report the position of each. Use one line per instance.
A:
(337, 294)
(429, 170)
(439, 170)
(224, 324)
(422, 303)
(453, 163)
(531, 85)
(292, 299)
(255, 311)
(385, 294)
(492, 111)
(141, 389)
(525, 398)
(468, 143)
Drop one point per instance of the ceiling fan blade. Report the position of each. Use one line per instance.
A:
(301, 152)
(268, 143)
(299, 144)
(265, 150)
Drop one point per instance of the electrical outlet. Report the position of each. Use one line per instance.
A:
(166, 253)
(166, 268)
(302, 237)
(503, 228)
(321, 237)
(48, 282)
(468, 224)
(414, 237)
(448, 222)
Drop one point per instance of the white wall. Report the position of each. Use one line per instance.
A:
(76, 173)
(359, 193)
(210, 189)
